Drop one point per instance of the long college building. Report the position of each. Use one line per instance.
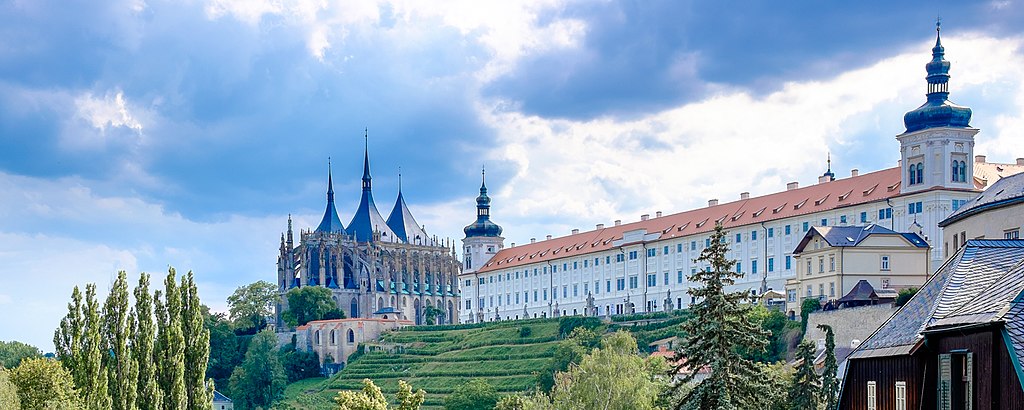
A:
(643, 266)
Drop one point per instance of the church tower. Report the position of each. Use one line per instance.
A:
(483, 237)
(936, 150)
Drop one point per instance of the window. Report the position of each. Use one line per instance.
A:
(885, 213)
(885, 262)
(608, 260)
(575, 265)
(771, 232)
(739, 267)
(808, 266)
(914, 208)
(805, 226)
(534, 295)
(481, 303)
(753, 235)
(652, 280)
(652, 252)
(693, 245)
(753, 266)
(771, 264)
(821, 264)
(739, 237)
(863, 217)
(351, 336)
(665, 251)
(789, 262)
(632, 255)
(545, 294)
(956, 380)
(575, 290)
(334, 338)
(842, 219)
(469, 304)
(1011, 234)
(957, 203)
(608, 286)
(679, 248)
(787, 230)
(832, 289)
(791, 295)
(586, 262)
(619, 258)
(565, 291)
(620, 284)
(808, 290)
(912, 174)
(824, 221)
(597, 287)
(821, 290)
(872, 399)
(707, 242)
(901, 395)
(959, 171)
(831, 263)
(679, 277)
(666, 278)
(633, 282)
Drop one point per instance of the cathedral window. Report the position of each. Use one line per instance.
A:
(351, 336)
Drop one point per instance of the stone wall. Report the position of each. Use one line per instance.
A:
(848, 324)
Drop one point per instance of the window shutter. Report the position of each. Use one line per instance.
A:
(969, 374)
(945, 378)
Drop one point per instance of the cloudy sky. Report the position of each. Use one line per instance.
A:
(141, 134)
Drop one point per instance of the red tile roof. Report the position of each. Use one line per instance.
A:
(869, 187)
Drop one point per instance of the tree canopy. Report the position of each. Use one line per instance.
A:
(612, 377)
(371, 398)
(251, 304)
(477, 394)
(9, 399)
(44, 384)
(310, 303)
(260, 379)
(12, 352)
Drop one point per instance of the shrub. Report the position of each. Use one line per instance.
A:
(904, 296)
(525, 331)
(568, 323)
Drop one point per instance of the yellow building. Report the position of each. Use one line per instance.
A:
(831, 260)
(997, 213)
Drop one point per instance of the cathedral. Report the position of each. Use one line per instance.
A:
(374, 267)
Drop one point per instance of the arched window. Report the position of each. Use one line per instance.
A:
(912, 174)
(956, 171)
(351, 336)
(963, 171)
(316, 336)
(354, 308)
(920, 173)
(334, 339)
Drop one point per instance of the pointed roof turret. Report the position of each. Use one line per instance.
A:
(828, 175)
(367, 219)
(937, 111)
(403, 224)
(330, 223)
(483, 225)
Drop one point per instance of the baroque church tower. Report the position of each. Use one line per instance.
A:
(483, 237)
(936, 150)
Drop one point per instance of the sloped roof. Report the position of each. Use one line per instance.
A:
(990, 172)
(404, 225)
(367, 219)
(330, 222)
(861, 292)
(869, 187)
(1006, 191)
(979, 284)
(846, 236)
(220, 398)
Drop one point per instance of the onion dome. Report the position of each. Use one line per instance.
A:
(367, 219)
(403, 224)
(483, 225)
(330, 223)
(938, 111)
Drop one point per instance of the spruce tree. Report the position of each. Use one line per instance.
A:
(198, 392)
(716, 334)
(171, 351)
(803, 393)
(148, 394)
(122, 371)
(94, 388)
(829, 382)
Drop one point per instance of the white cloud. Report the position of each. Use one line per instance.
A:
(584, 172)
(109, 111)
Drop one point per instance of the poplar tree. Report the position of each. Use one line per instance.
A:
(198, 392)
(149, 396)
(122, 370)
(171, 352)
(803, 393)
(94, 386)
(829, 382)
(67, 340)
(719, 329)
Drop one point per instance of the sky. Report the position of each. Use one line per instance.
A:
(139, 135)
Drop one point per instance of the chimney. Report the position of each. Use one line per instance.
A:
(533, 240)
(854, 172)
(657, 214)
(822, 179)
(1020, 161)
(513, 245)
(979, 158)
(547, 238)
(600, 226)
(744, 195)
(645, 217)
(618, 222)
(575, 231)
(712, 202)
(899, 163)
(792, 185)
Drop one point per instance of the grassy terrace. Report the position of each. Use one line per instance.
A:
(438, 359)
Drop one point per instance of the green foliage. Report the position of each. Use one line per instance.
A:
(9, 399)
(226, 350)
(198, 393)
(566, 324)
(300, 365)
(310, 303)
(475, 395)
(148, 393)
(612, 377)
(170, 351)
(803, 393)
(829, 382)
(249, 305)
(719, 331)
(904, 296)
(806, 307)
(569, 351)
(122, 370)
(45, 384)
(431, 313)
(773, 323)
(12, 352)
(534, 401)
(525, 331)
(261, 379)
(371, 398)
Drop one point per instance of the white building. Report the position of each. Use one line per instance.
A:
(643, 266)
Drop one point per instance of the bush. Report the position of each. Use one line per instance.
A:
(566, 324)
(904, 296)
(525, 331)
(806, 307)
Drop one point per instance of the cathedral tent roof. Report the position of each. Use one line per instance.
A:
(367, 219)
(404, 225)
(330, 222)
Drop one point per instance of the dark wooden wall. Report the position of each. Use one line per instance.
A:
(885, 372)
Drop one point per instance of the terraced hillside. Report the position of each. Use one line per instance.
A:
(439, 359)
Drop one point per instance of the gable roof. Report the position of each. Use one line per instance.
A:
(846, 236)
(1006, 191)
(869, 187)
(863, 292)
(977, 285)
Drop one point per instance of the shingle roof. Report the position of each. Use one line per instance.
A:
(1006, 191)
(862, 292)
(976, 285)
(845, 236)
(869, 187)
